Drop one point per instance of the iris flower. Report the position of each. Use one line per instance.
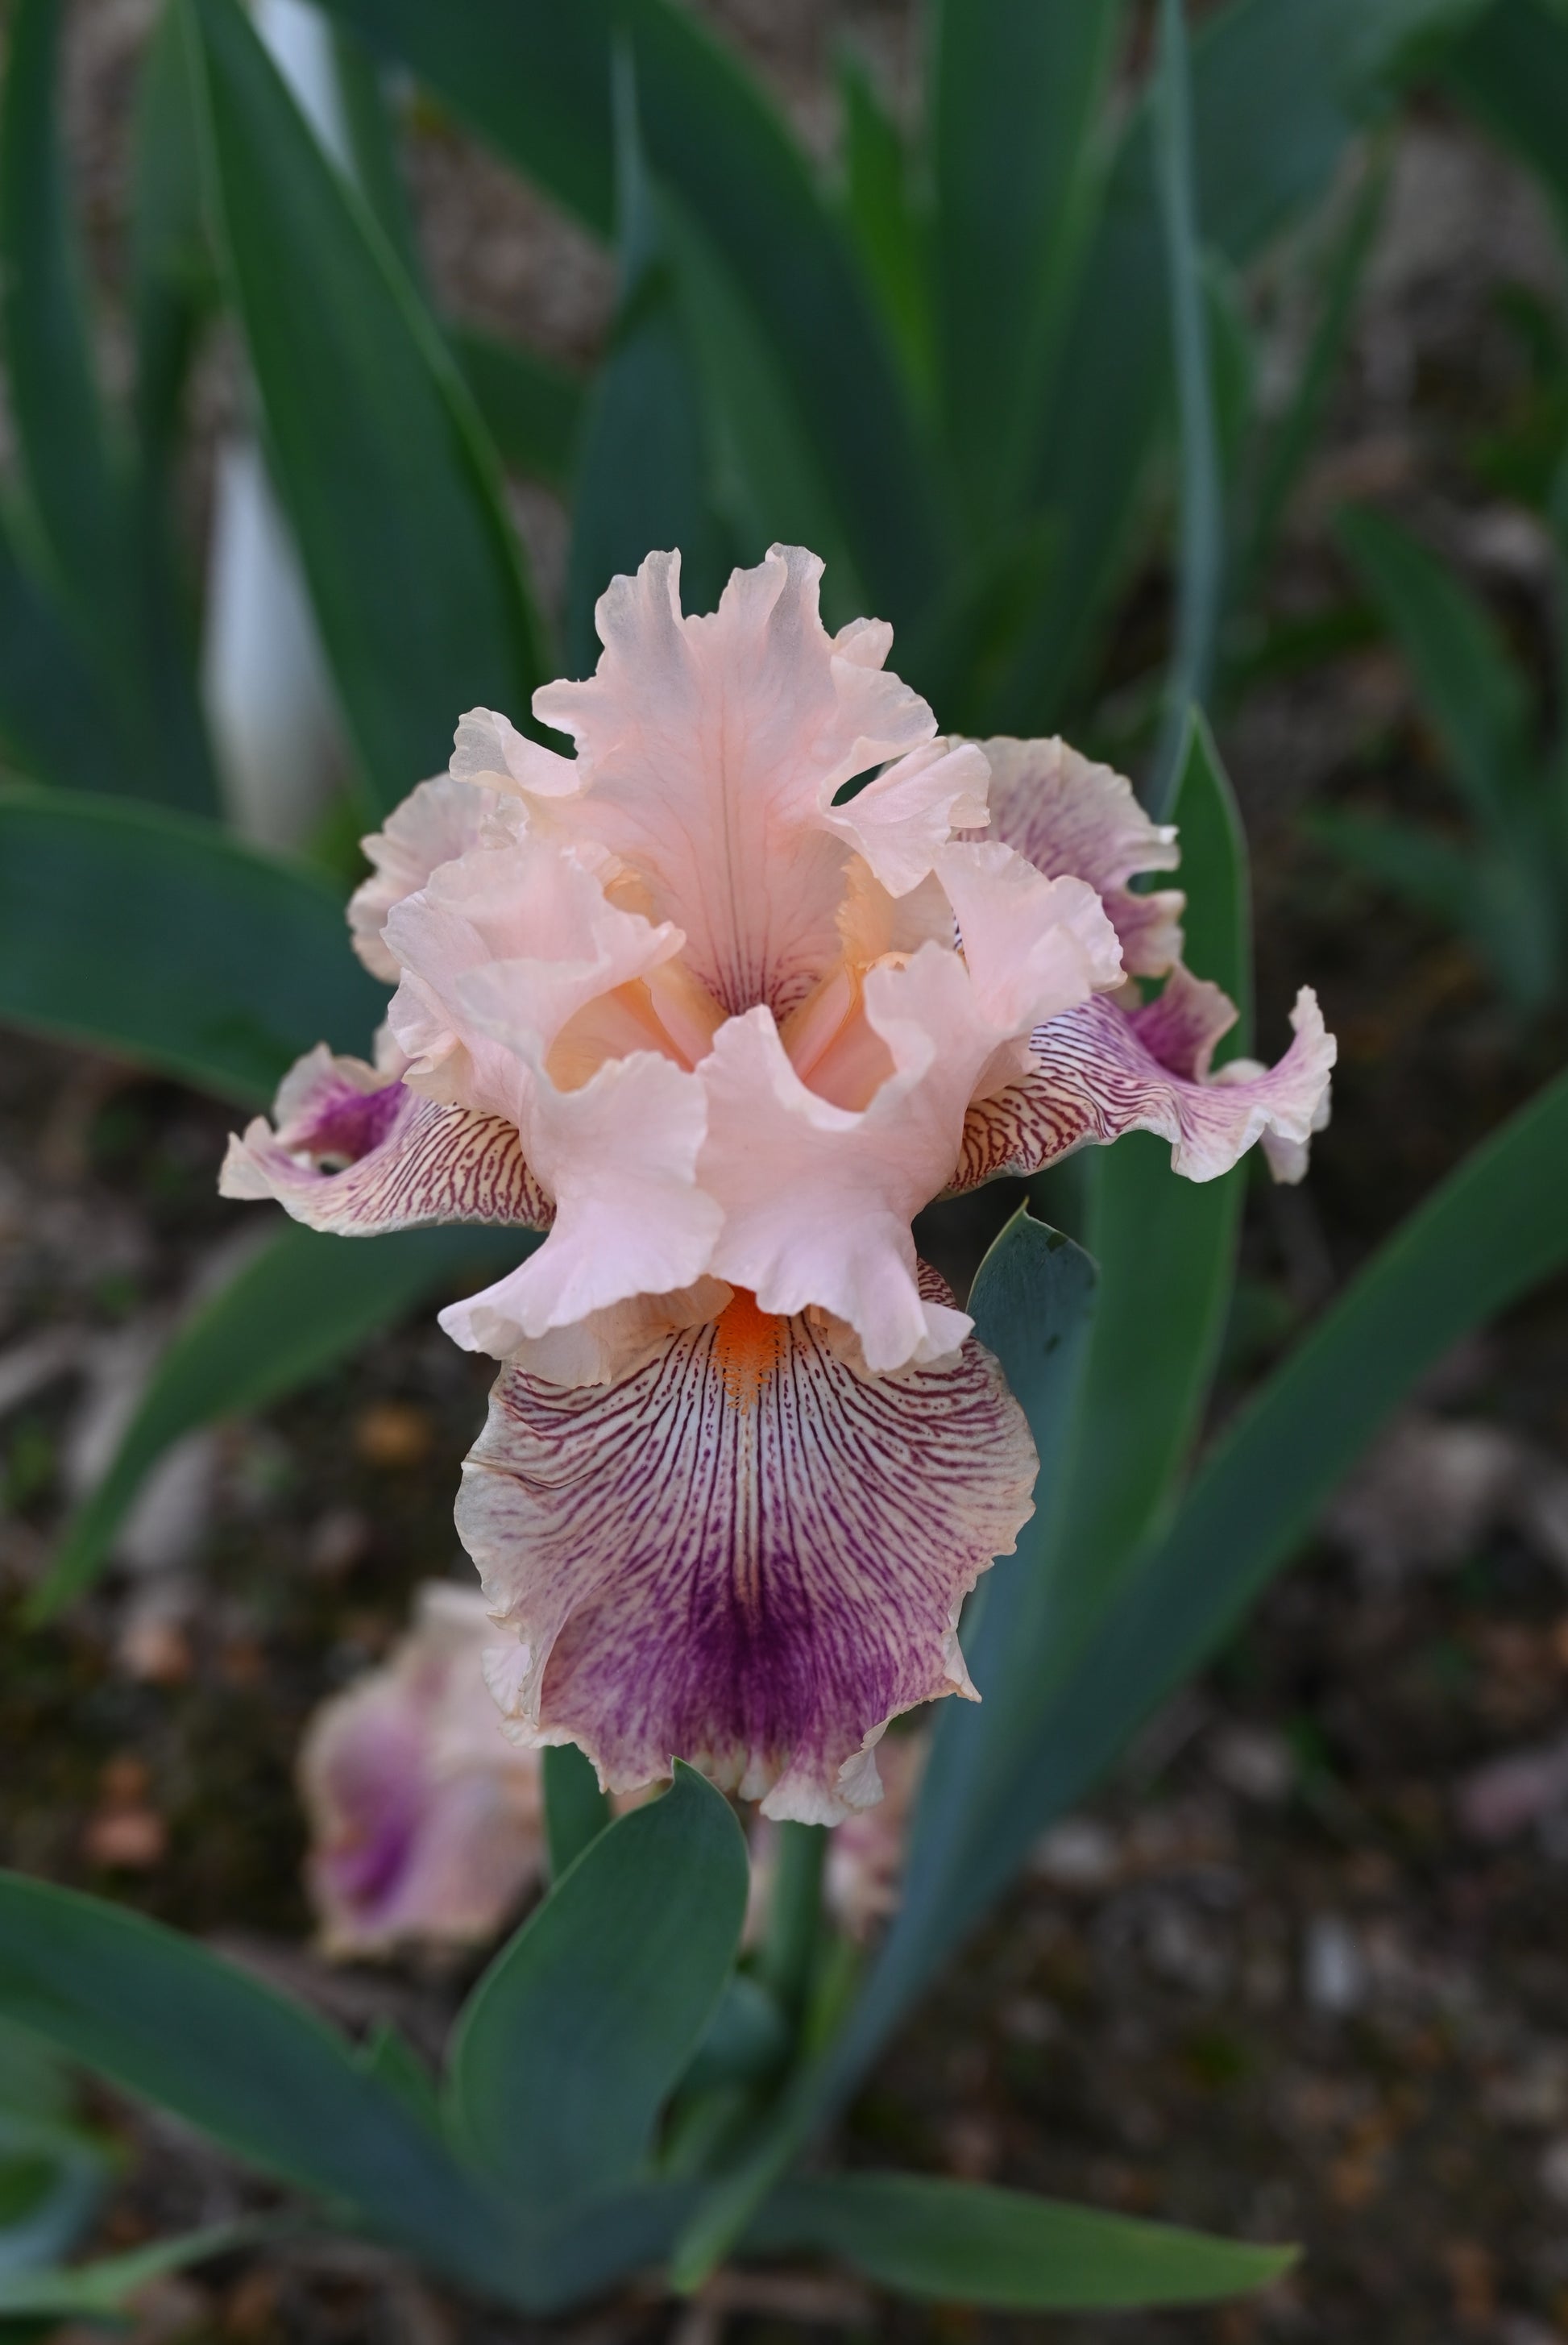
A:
(427, 1824)
(720, 1026)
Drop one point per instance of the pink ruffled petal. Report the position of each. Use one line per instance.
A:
(1101, 1070)
(358, 1156)
(490, 750)
(438, 821)
(619, 1157)
(1034, 946)
(712, 746)
(427, 1821)
(1068, 816)
(818, 1199)
(605, 1346)
(819, 1187)
(900, 821)
(748, 1555)
(500, 952)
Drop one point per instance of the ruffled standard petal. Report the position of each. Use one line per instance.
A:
(748, 1555)
(817, 1198)
(355, 1154)
(712, 746)
(1101, 1070)
(819, 1191)
(1066, 815)
(900, 822)
(436, 822)
(619, 1156)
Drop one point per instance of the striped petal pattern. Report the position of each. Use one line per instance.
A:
(1100, 1070)
(749, 1553)
(354, 1153)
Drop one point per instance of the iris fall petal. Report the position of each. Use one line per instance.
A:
(749, 1553)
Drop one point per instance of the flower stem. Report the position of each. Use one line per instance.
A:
(794, 1916)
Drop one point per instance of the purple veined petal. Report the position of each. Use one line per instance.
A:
(1102, 1070)
(1066, 815)
(356, 1155)
(749, 1554)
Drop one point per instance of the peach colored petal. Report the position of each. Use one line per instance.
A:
(507, 945)
(358, 1156)
(819, 1194)
(818, 1199)
(610, 1344)
(712, 745)
(729, 1557)
(427, 1821)
(1101, 1070)
(439, 820)
(619, 1156)
(490, 750)
(1034, 946)
(900, 820)
(1068, 815)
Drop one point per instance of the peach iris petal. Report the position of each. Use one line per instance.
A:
(498, 952)
(818, 1197)
(726, 1555)
(619, 1158)
(709, 748)
(426, 1823)
(436, 822)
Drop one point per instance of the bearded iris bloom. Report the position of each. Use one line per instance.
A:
(721, 1027)
(427, 1824)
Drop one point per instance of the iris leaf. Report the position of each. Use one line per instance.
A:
(765, 482)
(162, 2018)
(101, 549)
(52, 2178)
(966, 2243)
(1167, 1252)
(575, 1810)
(1287, 447)
(389, 478)
(884, 221)
(154, 936)
(1469, 685)
(643, 468)
(535, 82)
(1200, 548)
(1510, 68)
(1279, 87)
(533, 410)
(58, 721)
(1015, 96)
(102, 2288)
(173, 280)
(589, 2016)
(305, 1301)
(1033, 1302)
(76, 482)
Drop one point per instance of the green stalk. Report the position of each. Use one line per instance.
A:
(794, 1917)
